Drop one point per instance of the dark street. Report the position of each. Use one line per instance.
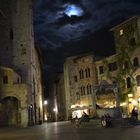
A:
(66, 131)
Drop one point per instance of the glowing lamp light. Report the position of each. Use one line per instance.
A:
(73, 10)
(123, 104)
(45, 102)
(134, 102)
(130, 95)
(55, 110)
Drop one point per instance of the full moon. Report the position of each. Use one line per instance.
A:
(73, 10)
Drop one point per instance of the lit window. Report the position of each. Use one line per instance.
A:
(121, 32)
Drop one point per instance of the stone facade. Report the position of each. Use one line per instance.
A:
(11, 87)
(127, 41)
(79, 78)
(17, 52)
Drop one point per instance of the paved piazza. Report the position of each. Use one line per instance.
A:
(66, 131)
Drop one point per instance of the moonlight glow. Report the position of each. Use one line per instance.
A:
(73, 10)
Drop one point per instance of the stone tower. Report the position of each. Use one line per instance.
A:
(23, 42)
(18, 53)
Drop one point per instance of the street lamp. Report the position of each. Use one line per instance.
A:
(45, 110)
(55, 109)
(45, 102)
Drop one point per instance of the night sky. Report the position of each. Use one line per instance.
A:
(69, 27)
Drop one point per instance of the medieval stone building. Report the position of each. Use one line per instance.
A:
(20, 76)
(79, 78)
(114, 80)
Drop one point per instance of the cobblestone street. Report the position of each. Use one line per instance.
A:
(66, 131)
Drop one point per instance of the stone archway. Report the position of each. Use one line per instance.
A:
(9, 110)
(106, 93)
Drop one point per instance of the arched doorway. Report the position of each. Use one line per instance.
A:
(9, 114)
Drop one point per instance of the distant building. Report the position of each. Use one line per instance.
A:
(21, 86)
(57, 104)
(79, 78)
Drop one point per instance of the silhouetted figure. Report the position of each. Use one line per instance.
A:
(134, 113)
(84, 118)
(106, 120)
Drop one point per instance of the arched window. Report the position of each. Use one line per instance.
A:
(88, 71)
(138, 80)
(135, 62)
(82, 72)
(87, 89)
(83, 90)
(90, 89)
(128, 82)
(78, 96)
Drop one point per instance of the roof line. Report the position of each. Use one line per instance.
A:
(113, 28)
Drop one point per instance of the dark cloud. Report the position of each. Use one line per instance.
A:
(53, 26)
(59, 35)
